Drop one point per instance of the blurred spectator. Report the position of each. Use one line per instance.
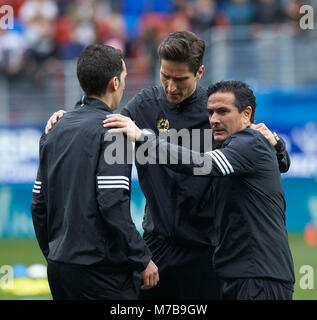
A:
(63, 6)
(11, 52)
(12, 43)
(293, 15)
(269, 12)
(240, 12)
(185, 6)
(69, 48)
(31, 9)
(110, 29)
(205, 15)
(38, 17)
(179, 21)
(240, 17)
(153, 27)
(83, 13)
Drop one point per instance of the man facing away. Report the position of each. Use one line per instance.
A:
(81, 204)
(252, 256)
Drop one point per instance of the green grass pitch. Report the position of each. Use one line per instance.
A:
(28, 252)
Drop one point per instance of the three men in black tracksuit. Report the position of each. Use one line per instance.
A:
(252, 256)
(179, 223)
(81, 204)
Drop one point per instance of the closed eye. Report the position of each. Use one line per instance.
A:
(180, 79)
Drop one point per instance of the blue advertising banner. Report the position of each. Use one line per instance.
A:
(19, 149)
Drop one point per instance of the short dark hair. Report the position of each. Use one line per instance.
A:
(243, 94)
(96, 66)
(183, 46)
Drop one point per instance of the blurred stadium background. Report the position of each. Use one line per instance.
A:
(259, 42)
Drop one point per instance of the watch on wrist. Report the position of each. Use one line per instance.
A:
(279, 143)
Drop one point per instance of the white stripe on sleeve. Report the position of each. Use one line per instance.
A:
(211, 154)
(221, 161)
(116, 186)
(113, 182)
(223, 164)
(113, 178)
(226, 160)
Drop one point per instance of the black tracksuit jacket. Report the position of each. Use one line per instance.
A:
(248, 201)
(81, 205)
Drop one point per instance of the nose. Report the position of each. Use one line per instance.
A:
(171, 87)
(214, 120)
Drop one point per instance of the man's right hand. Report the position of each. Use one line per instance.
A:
(150, 276)
(53, 119)
(122, 124)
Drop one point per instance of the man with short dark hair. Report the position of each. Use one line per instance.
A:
(252, 256)
(178, 224)
(81, 204)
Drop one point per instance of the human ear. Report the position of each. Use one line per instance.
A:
(200, 72)
(247, 112)
(114, 83)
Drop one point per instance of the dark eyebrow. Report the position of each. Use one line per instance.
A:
(221, 109)
(175, 78)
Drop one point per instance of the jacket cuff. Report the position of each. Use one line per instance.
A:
(141, 265)
(280, 145)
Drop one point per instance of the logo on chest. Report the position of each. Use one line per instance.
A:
(163, 125)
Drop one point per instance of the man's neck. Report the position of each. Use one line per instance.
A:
(105, 99)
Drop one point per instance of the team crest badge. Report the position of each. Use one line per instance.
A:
(163, 125)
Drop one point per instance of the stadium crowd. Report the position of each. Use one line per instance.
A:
(48, 32)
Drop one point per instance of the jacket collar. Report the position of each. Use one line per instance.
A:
(92, 103)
